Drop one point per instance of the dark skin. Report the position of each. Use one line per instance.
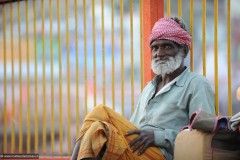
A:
(159, 49)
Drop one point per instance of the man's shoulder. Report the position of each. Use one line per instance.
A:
(195, 78)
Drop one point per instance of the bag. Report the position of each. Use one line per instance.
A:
(207, 138)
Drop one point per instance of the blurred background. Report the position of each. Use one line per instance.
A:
(58, 59)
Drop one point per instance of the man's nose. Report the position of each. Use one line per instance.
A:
(160, 53)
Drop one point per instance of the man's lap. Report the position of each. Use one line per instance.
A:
(111, 128)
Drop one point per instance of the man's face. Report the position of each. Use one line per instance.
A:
(166, 57)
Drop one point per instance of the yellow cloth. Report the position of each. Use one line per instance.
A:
(103, 125)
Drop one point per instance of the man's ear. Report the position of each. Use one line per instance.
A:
(185, 50)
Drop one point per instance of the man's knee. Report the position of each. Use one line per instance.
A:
(99, 113)
(100, 109)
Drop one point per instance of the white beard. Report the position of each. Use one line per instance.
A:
(167, 65)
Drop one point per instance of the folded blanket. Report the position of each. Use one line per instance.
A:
(99, 132)
(234, 122)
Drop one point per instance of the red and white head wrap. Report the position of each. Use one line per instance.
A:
(167, 28)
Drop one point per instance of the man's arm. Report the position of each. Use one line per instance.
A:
(148, 138)
(202, 97)
(144, 140)
(165, 139)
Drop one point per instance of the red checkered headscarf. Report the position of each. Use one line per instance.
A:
(167, 28)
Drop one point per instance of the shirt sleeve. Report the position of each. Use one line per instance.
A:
(202, 97)
(165, 139)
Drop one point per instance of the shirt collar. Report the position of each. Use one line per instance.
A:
(156, 79)
(183, 76)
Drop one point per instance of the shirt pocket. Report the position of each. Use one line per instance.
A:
(168, 114)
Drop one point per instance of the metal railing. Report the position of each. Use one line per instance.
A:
(61, 58)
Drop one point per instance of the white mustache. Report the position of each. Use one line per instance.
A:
(161, 60)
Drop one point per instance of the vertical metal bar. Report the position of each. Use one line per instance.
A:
(36, 80)
(168, 8)
(85, 57)
(5, 82)
(28, 85)
(204, 36)
(44, 131)
(77, 70)
(13, 83)
(113, 57)
(141, 43)
(192, 34)
(52, 80)
(68, 80)
(152, 11)
(132, 56)
(60, 79)
(103, 57)
(216, 54)
(20, 81)
(229, 57)
(94, 53)
(122, 54)
(180, 8)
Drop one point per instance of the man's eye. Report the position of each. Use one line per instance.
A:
(167, 47)
(154, 48)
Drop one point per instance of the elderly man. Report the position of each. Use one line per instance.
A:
(165, 105)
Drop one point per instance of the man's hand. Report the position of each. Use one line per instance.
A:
(144, 140)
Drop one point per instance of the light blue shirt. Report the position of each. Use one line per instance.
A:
(171, 108)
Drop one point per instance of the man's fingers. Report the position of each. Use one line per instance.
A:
(138, 145)
(134, 141)
(145, 146)
(135, 131)
(144, 140)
